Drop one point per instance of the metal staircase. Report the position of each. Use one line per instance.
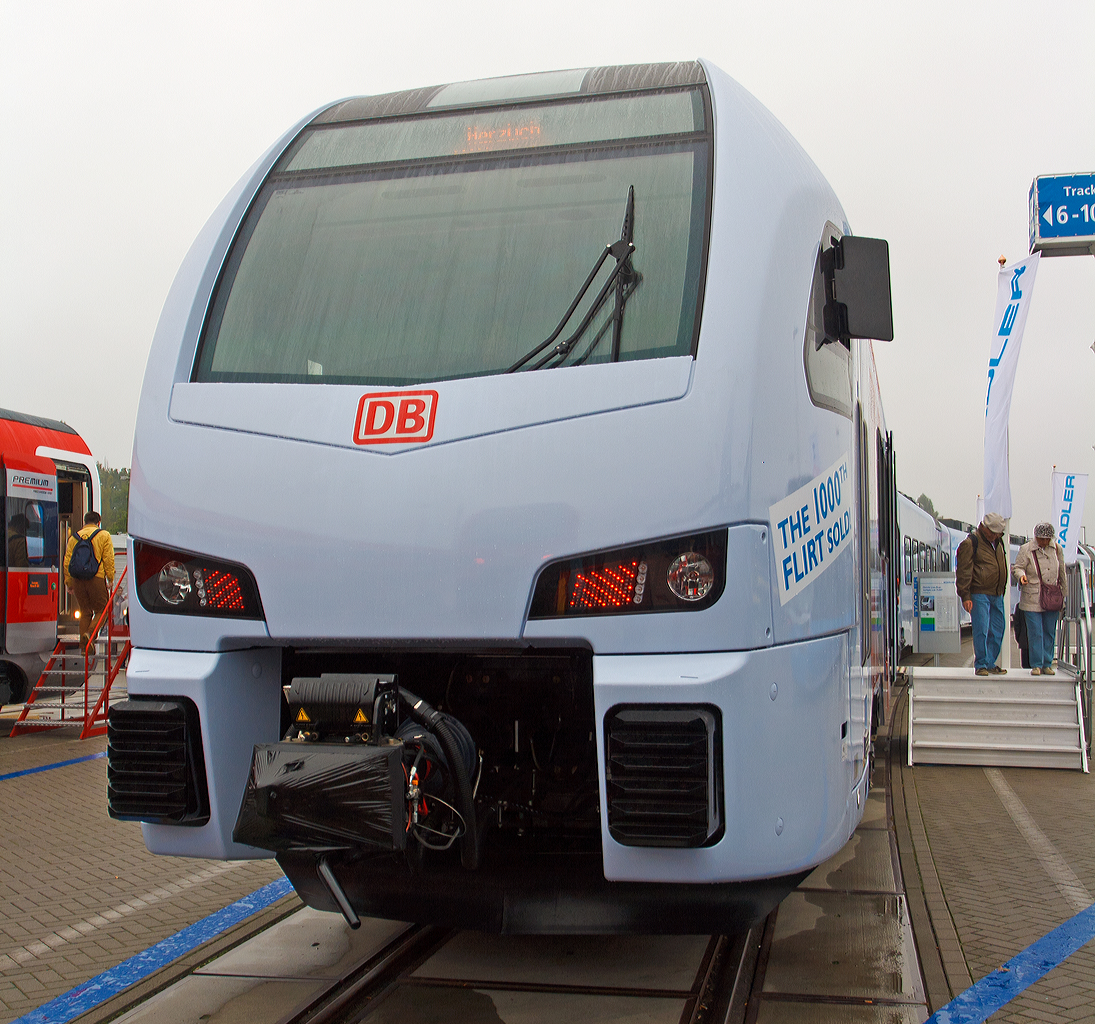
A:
(75, 689)
(1013, 720)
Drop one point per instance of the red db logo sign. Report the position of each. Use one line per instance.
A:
(395, 417)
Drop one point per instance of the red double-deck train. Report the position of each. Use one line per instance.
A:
(49, 481)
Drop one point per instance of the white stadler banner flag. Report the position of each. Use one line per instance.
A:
(1069, 491)
(1016, 284)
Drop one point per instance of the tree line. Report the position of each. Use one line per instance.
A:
(115, 487)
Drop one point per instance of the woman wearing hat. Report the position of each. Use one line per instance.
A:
(1040, 570)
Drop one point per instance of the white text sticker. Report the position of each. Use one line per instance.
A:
(810, 529)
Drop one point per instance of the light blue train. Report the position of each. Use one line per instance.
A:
(513, 512)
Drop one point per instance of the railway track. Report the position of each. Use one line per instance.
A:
(432, 974)
(427, 975)
(840, 944)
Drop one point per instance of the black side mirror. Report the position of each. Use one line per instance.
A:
(857, 289)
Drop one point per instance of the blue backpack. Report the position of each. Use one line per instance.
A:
(83, 565)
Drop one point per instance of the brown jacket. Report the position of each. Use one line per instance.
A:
(983, 573)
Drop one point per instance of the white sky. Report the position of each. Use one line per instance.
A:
(124, 124)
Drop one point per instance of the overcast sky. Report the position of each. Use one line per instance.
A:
(124, 124)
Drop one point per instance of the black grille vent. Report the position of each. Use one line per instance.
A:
(155, 767)
(664, 775)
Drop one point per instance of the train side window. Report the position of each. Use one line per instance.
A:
(908, 561)
(828, 367)
(36, 540)
(31, 535)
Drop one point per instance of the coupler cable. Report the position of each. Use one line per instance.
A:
(433, 720)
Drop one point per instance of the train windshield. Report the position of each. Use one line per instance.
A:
(448, 245)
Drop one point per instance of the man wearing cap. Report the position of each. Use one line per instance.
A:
(982, 578)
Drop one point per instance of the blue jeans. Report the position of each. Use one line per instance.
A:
(988, 629)
(1041, 632)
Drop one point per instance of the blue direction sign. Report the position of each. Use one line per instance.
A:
(1062, 214)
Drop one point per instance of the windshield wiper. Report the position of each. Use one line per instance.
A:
(625, 279)
(629, 290)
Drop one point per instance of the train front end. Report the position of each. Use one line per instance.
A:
(457, 586)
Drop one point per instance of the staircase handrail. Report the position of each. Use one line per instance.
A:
(1076, 621)
(95, 717)
(1084, 640)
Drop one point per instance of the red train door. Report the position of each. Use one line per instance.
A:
(31, 554)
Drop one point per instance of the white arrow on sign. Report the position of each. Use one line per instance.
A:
(1048, 215)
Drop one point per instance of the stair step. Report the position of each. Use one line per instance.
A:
(1028, 688)
(1015, 747)
(999, 723)
(983, 699)
(1000, 758)
(990, 711)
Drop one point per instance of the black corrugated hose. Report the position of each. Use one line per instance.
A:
(433, 720)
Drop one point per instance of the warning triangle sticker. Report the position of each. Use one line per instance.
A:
(360, 718)
(302, 716)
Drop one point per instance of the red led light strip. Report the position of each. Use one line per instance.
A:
(223, 591)
(612, 586)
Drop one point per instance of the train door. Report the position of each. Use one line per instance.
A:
(31, 554)
(889, 542)
(74, 498)
(861, 679)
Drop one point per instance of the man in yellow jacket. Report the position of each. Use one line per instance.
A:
(92, 594)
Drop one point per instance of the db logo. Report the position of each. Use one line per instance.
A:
(395, 417)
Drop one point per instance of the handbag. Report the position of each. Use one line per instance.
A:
(1051, 596)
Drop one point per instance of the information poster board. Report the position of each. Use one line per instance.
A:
(936, 611)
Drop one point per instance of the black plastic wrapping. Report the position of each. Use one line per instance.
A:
(319, 797)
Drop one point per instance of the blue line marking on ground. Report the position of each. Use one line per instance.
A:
(982, 999)
(100, 988)
(47, 767)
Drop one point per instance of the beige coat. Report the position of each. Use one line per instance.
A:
(1051, 560)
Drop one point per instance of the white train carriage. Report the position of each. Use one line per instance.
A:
(925, 547)
(955, 536)
(513, 512)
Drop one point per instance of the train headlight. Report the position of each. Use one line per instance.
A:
(181, 583)
(174, 585)
(651, 577)
(690, 576)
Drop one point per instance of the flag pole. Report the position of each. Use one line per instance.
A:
(1004, 661)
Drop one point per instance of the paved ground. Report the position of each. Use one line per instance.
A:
(992, 860)
(78, 891)
(1002, 856)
